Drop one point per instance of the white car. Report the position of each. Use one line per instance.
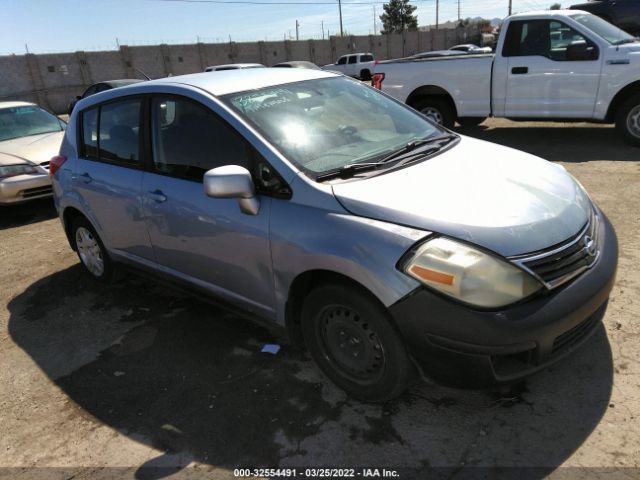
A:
(357, 65)
(29, 137)
(471, 48)
(233, 66)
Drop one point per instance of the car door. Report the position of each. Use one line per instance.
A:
(542, 81)
(206, 241)
(352, 65)
(108, 176)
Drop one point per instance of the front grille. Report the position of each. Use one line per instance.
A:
(36, 192)
(561, 263)
(575, 334)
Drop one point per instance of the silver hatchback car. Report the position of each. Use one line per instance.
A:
(349, 221)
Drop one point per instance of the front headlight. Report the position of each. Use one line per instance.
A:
(468, 274)
(13, 170)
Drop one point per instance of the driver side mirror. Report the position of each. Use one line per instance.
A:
(581, 50)
(232, 181)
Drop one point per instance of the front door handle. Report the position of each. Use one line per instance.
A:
(157, 195)
(86, 178)
(520, 70)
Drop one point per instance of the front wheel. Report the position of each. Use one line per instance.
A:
(91, 251)
(628, 120)
(351, 338)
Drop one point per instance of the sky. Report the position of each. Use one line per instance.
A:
(68, 25)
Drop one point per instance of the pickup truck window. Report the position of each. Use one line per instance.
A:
(604, 29)
(353, 59)
(546, 38)
(341, 61)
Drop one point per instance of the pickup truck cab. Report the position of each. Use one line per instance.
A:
(357, 65)
(548, 65)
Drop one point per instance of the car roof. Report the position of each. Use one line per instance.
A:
(16, 104)
(120, 82)
(240, 80)
(546, 13)
(235, 66)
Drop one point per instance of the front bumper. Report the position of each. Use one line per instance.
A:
(22, 188)
(474, 348)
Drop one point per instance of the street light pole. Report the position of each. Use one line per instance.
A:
(510, 1)
(340, 9)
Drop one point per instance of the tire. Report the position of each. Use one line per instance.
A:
(351, 338)
(438, 109)
(628, 120)
(471, 121)
(365, 75)
(91, 252)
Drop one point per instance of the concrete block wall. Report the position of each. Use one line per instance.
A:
(53, 80)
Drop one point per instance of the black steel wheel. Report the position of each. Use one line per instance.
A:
(351, 338)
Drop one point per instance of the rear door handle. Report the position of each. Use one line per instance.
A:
(157, 195)
(520, 70)
(86, 178)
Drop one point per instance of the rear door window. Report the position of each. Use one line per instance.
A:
(353, 59)
(111, 132)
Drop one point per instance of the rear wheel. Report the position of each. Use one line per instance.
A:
(437, 109)
(351, 338)
(91, 251)
(365, 74)
(628, 120)
(471, 121)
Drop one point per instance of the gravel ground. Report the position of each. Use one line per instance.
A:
(140, 381)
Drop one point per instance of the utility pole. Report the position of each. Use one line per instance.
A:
(322, 26)
(297, 30)
(458, 11)
(375, 26)
(510, 1)
(438, 13)
(340, 9)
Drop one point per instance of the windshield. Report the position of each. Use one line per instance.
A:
(324, 124)
(27, 120)
(609, 32)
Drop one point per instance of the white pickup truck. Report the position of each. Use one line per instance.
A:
(357, 65)
(549, 65)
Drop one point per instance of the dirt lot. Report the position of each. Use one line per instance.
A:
(139, 380)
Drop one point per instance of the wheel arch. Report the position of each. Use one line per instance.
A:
(431, 91)
(620, 97)
(69, 216)
(304, 283)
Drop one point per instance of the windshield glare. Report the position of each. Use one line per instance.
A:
(609, 32)
(27, 120)
(324, 124)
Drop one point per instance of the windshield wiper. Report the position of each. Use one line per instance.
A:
(627, 40)
(349, 170)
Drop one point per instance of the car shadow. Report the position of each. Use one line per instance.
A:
(565, 142)
(189, 379)
(26, 213)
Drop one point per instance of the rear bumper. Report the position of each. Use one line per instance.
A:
(466, 347)
(23, 188)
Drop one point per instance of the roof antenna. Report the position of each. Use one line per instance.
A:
(142, 73)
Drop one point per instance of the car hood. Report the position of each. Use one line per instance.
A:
(496, 197)
(35, 148)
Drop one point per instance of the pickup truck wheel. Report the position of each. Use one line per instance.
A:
(437, 109)
(365, 75)
(353, 342)
(471, 121)
(91, 252)
(628, 120)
